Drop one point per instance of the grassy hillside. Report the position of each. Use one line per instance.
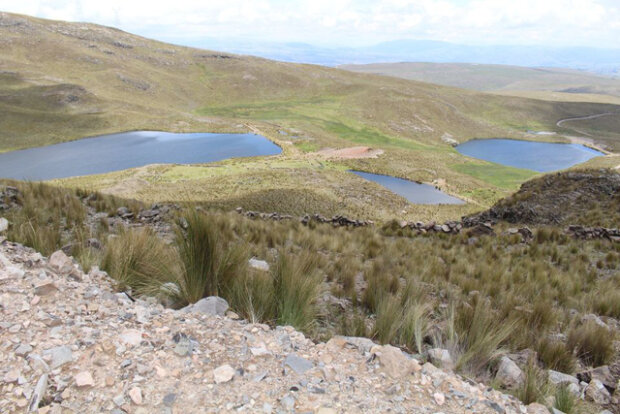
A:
(479, 296)
(63, 81)
(501, 78)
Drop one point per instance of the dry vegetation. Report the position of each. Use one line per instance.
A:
(479, 297)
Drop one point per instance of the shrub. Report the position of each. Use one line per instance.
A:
(535, 384)
(209, 262)
(593, 344)
(479, 336)
(556, 355)
(140, 260)
(389, 319)
(564, 400)
(296, 284)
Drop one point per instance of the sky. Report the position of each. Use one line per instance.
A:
(594, 23)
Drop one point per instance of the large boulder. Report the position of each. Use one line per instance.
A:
(441, 358)
(395, 363)
(559, 378)
(603, 374)
(212, 305)
(509, 375)
(597, 393)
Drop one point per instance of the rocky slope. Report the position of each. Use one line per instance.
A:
(69, 343)
(580, 197)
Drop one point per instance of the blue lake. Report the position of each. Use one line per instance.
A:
(536, 156)
(128, 150)
(414, 192)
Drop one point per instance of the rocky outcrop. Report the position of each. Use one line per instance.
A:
(82, 347)
(336, 221)
(560, 199)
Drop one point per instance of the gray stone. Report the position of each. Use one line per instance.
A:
(4, 224)
(559, 378)
(441, 358)
(509, 375)
(362, 344)
(38, 393)
(298, 364)
(556, 411)
(212, 305)
(184, 347)
(60, 355)
(594, 318)
(169, 399)
(597, 393)
(23, 350)
(288, 403)
(119, 400)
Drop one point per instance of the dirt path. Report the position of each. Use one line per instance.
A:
(581, 118)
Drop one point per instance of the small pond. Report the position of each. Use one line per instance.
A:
(536, 156)
(128, 150)
(414, 192)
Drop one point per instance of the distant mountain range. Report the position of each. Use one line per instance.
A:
(603, 61)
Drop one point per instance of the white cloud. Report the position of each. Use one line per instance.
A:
(552, 22)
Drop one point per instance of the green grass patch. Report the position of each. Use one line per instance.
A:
(495, 174)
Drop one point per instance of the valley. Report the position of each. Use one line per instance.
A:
(110, 81)
(184, 230)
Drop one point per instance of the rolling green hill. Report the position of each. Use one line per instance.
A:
(62, 81)
(501, 78)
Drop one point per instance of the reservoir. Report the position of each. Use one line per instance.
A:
(536, 156)
(116, 152)
(414, 192)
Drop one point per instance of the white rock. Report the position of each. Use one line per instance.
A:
(131, 337)
(439, 398)
(4, 224)
(136, 395)
(38, 393)
(84, 379)
(259, 264)
(223, 373)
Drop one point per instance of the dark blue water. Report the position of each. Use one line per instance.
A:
(412, 191)
(128, 150)
(537, 156)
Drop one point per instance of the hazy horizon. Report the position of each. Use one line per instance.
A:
(348, 23)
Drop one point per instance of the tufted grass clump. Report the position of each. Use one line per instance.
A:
(556, 355)
(139, 260)
(564, 400)
(479, 336)
(535, 386)
(210, 261)
(296, 287)
(593, 344)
